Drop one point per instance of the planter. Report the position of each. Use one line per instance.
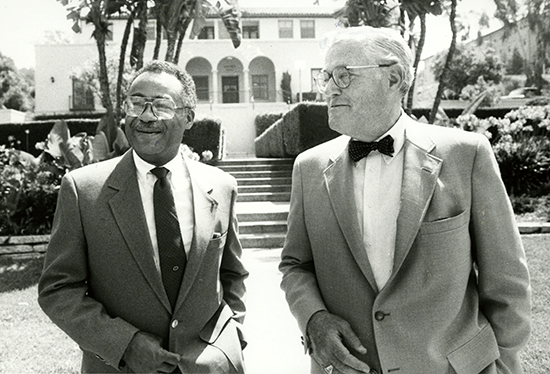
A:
(24, 246)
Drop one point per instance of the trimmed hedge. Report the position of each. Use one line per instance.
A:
(206, 135)
(305, 126)
(263, 121)
(39, 130)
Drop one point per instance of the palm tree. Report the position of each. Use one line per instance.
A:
(448, 60)
(414, 9)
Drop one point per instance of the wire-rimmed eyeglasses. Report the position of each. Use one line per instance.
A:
(341, 75)
(163, 108)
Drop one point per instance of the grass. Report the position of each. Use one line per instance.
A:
(30, 343)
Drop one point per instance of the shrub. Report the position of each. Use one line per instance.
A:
(28, 193)
(206, 135)
(263, 121)
(524, 165)
(305, 126)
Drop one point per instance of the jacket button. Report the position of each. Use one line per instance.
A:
(175, 323)
(379, 316)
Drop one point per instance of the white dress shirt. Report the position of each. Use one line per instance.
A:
(377, 189)
(180, 182)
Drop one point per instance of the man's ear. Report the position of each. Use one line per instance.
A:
(395, 77)
(190, 118)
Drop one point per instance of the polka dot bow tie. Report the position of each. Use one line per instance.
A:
(358, 150)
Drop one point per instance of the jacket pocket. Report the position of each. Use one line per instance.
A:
(446, 224)
(477, 354)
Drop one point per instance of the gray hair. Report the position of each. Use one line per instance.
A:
(188, 92)
(382, 45)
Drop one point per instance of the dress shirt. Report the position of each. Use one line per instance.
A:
(180, 182)
(377, 190)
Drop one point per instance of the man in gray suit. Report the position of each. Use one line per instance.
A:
(402, 253)
(143, 268)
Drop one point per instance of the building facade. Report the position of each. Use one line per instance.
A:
(233, 85)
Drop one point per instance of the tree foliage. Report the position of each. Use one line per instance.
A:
(466, 66)
(16, 86)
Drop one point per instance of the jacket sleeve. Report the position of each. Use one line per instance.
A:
(503, 277)
(63, 290)
(299, 280)
(232, 271)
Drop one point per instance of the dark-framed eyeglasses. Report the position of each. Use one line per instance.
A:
(341, 75)
(163, 108)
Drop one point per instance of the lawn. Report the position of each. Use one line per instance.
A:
(30, 343)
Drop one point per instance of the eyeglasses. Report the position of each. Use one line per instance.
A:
(162, 108)
(341, 76)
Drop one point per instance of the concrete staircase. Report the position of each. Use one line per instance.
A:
(263, 201)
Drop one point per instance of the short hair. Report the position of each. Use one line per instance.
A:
(188, 92)
(383, 44)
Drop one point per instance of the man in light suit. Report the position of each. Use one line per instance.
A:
(105, 279)
(401, 256)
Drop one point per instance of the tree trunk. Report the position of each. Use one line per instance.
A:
(183, 30)
(437, 100)
(171, 46)
(418, 55)
(121, 59)
(140, 36)
(103, 76)
(158, 38)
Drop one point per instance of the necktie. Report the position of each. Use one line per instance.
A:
(357, 149)
(169, 240)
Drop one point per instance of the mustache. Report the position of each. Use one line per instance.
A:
(138, 125)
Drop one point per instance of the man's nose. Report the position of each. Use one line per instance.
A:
(332, 89)
(148, 114)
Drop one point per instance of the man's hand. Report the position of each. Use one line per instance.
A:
(328, 334)
(146, 355)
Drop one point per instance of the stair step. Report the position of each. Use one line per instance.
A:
(262, 174)
(256, 167)
(251, 161)
(264, 180)
(262, 241)
(264, 188)
(262, 227)
(262, 216)
(272, 196)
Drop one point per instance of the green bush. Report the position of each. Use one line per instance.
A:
(205, 137)
(28, 194)
(263, 121)
(304, 127)
(15, 133)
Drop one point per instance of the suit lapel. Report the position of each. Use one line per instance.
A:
(420, 173)
(204, 209)
(130, 218)
(344, 206)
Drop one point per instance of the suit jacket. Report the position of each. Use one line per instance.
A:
(100, 284)
(458, 300)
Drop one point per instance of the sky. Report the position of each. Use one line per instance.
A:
(26, 22)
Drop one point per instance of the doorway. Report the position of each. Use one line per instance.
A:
(230, 90)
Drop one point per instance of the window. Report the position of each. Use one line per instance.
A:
(307, 29)
(109, 35)
(260, 87)
(207, 32)
(152, 31)
(251, 30)
(222, 31)
(201, 85)
(83, 97)
(314, 73)
(285, 29)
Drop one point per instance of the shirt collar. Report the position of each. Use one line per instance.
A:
(175, 166)
(397, 132)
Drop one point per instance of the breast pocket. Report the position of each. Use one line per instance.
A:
(218, 240)
(445, 225)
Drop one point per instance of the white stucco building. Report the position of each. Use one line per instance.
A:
(233, 85)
